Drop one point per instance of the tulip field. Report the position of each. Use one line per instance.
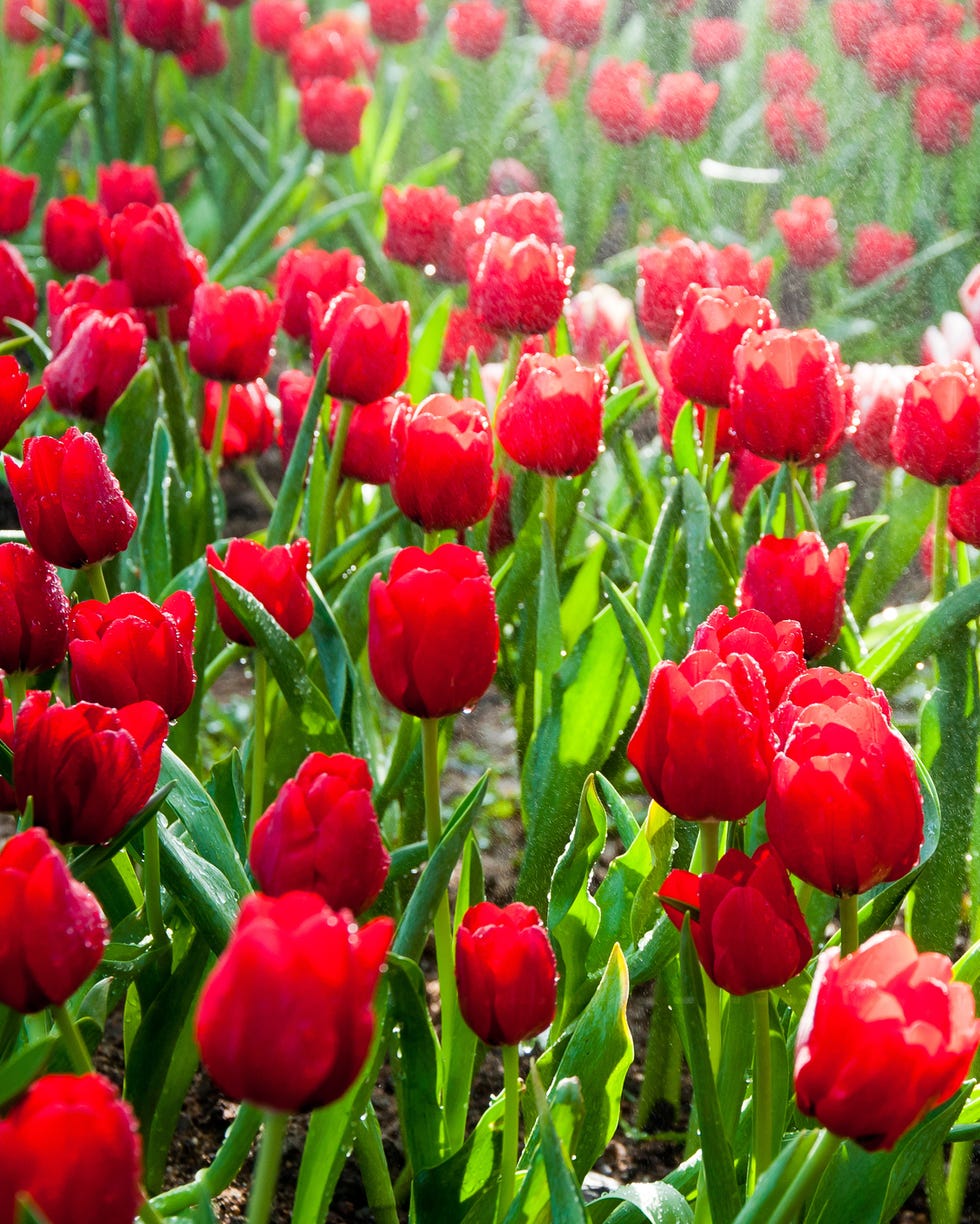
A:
(489, 599)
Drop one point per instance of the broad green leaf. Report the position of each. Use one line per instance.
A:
(567, 1111)
(464, 1187)
(416, 1065)
(658, 831)
(226, 786)
(154, 522)
(640, 647)
(291, 490)
(708, 584)
(683, 442)
(565, 1201)
(617, 894)
(200, 889)
(641, 1202)
(20, 1070)
(895, 547)
(427, 347)
(129, 429)
(885, 655)
(340, 675)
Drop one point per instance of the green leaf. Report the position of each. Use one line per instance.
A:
(226, 786)
(708, 584)
(200, 889)
(416, 1065)
(640, 646)
(886, 654)
(340, 674)
(87, 862)
(427, 347)
(895, 546)
(154, 522)
(617, 895)
(548, 639)
(6, 762)
(19, 1071)
(291, 490)
(563, 1194)
(683, 443)
(647, 1201)
(464, 1187)
(658, 832)
(128, 437)
(939, 626)
(465, 1048)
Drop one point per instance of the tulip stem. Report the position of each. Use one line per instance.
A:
(220, 663)
(267, 1166)
(442, 923)
(370, 1154)
(940, 549)
(218, 437)
(762, 1086)
(939, 1212)
(709, 845)
(76, 1049)
(254, 477)
(789, 528)
(96, 580)
(508, 1157)
(15, 686)
(221, 1173)
(709, 442)
(510, 365)
(849, 934)
(9, 1028)
(549, 505)
(806, 1180)
(151, 882)
(258, 743)
(148, 1213)
(327, 537)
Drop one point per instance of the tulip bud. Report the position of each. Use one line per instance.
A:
(275, 23)
(71, 232)
(18, 296)
(147, 249)
(121, 183)
(809, 230)
(475, 28)
(301, 272)
(330, 113)
(520, 285)
(231, 332)
(275, 576)
(397, 21)
(367, 341)
(419, 223)
(249, 424)
(96, 364)
(33, 611)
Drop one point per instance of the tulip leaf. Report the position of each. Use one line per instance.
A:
(896, 545)
(427, 345)
(129, 429)
(463, 1189)
(154, 522)
(719, 1167)
(340, 675)
(86, 862)
(226, 786)
(290, 493)
(640, 1202)
(683, 443)
(883, 657)
(617, 894)
(761, 1205)
(465, 1049)
(199, 888)
(708, 585)
(308, 703)
(548, 635)
(640, 646)
(659, 833)
(20, 1070)
(416, 1065)
(560, 1116)
(597, 1053)
(6, 762)
(655, 563)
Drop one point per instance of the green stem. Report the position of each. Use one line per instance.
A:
(218, 437)
(148, 1213)
(709, 845)
(510, 365)
(849, 935)
(549, 505)
(939, 1212)
(151, 882)
(940, 549)
(77, 1050)
(96, 580)
(662, 1062)
(228, 1160)
(327, 536)
(267, 1166)
(220, 663)
(762, 1112)
(959, 1172)
(258, 743)
(254, 477)
(712, 995)
(442, 923)
(709, 442)
(790, 527)
(508, 1158)
(370, 1154)
(806, 1180)
(15, 688)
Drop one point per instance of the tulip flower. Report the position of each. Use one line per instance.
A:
(321, 835)
(54, 932)
(942, 118)
(33, 611)
(465, 333)
(877, 249)
(336, 48)
(147, 249)
(886, 1036)
(878, 392)
(165, 25)
(397, 21)
(88, 769)
(249, 424)
(525, 214)
(17, 400)
(573, 23)
(93, 1178)
(121, 183)
(275, 23)
(330, 113)
(96, 364)
(418, 223)
(367, 341)
(672, 402)
(18, 296)
(129, 650)
(937, 431)
(818, 685)
(442, 462)
(70, 303)
(663, 275)
(598, 321)
(17, 193)
(275, 576)
(520, 286)
(715, 41)
(70, 505)
(210, 54)
(475, 28)
(684, 105)
(790, 71)
(793, 123)
(301, 272)
(368, 450)
(231, 332)
(71, 233)
(620, 98)
(809, 230)
(777, 648)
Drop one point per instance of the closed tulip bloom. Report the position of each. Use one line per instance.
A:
(419, 220)
(942, 119)
(285, 1019)
(819, 685)
(794, 123)
(321, 835)
(70, 1148)
(96, 365)
(397, 21)
(70, 505)
(937, 431)
(711, 324)
(442, 462)
(465, 333)
(432, 631)
(520, 285)
(72, 233)
(525, 214)
(550, 418)
(33, 611)
(368, 450)
(506, 973)
(684, 105)
(17, 400)
(748, 929)
(131, 649)
(790, 71)
(301, 272)
(776, 647)
(886, 1036)
(336, 47)
(964, 512)
(53, 932)
(165, 25)
(877, 249)
(824, 806)
(210, 54)
(147, 249)
(367, 341)
(88, 769)
(703, 746)
(620, 98)
(231, 333)
(294, 388)
(275, 23)
(275, 576)
(475, 28)
(17, 194)
(878, 392)
(121, 183)
(249, 426)
(798, 579)
(573, 23)
(715, 40)
(787, 395)
(18, 295)
(809, 230)
(663, 276)
(330, 113)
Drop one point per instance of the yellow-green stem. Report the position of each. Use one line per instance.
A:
(940, 549)
(267, 1167)
(510, 365)
(258, 743)
(549, 505)
(849, 935)
(15, 690)
(96, 580)
(76, 1049)
(709, 443)
(327, 537)
(442, 923)
(220, 663)
(370, 1155)
(790, 527)
(762, 1112)
(149, 1215)
(254, 476)
(805, 1182)
(151, 882)
(218, 437)
(712, 995)
(508, 1158)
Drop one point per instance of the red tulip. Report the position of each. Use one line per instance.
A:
(285, 1019)
(823, 810)
(17, 193)
(663, 276)
(703, 746)
(777, 648)
(294, 388)
(797, 579)
(964, 512)
(165, 25)
(574, 23)
(747, 926)
(432, 631)
(121, 183)
(231, 333)
(18, 296)
(336, 47)
(367, 341)
(53, 931)
(369, 448)
(89, 769)
(790, 71)
(809, 230)
(942, 119)
(886, 1036)
(620, 98)
(419, 221)
(877, 249)
(684, 105)
(520, 286)
(936, 436)
(17, 400)
(275, 23)
(96, 365)
(715, 40)
(475, 28)
(786, 16)
(70, 1148)
(550, 419)
(132, 650)
(442, 462)
(748, 472)
(854, 22)
(330, 113)
(787, 395)
(709, 328)
(465, 333)
(210, 54)
(147, 249)
(397, 21)
(505, 972)
(321, 835)
(249, 426)
(70, 505)
(894, 53)
(33, 612)
(793, 123)
(71, 232)
(301, 272)
(17, 25)
(598, 322)
(525, 214)
(275, 576)
(818, 685)
(878, 392)
(672, 401)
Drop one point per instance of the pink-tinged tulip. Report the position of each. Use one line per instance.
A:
(598, 322)
(790, 71)
(18, 295)
(809, 230)
(878, 392)
(777, 648)
(96, 365)
(330, 113)
(301, 272)
(275, 576)
(286, 1019)
(886, 1036)
(17, 23)
(397, 21)
(33, 611)
(937, 431)
(231, 332)
(520, 286)
(17, 194)
(17, 399)
(275, 23)
(715, 41)
(684, 105)
(367, 341)
(550, 419)
(819, 685)
(573, 23)
(475, 28)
